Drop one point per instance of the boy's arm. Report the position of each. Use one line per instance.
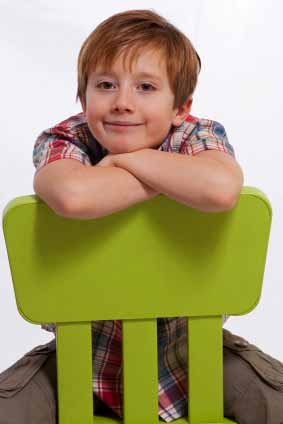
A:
(208, 178)
(211, 181)
(203, 174)
(76, 191)
(85, 192)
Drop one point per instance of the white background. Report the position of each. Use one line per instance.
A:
(240, 86)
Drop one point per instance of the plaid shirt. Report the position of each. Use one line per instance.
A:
(72, 139)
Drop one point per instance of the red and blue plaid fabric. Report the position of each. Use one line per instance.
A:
(72, 139)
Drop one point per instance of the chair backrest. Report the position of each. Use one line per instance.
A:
(156, 259)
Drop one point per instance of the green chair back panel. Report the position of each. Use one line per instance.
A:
(156, 259)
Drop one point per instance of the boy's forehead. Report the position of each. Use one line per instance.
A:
(144, 62)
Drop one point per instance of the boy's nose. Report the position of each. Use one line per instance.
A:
(123, 101)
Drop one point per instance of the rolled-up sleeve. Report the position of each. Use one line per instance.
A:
(50, 146)
(196, 135)
(208, 135)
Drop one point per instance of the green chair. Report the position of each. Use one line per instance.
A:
(155, 259)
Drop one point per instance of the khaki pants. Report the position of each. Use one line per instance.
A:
(253, 386)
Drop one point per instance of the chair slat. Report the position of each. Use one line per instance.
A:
(74, 365)
(205, 370)
(140, 371)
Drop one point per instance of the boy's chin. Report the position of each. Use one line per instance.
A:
(120, 147)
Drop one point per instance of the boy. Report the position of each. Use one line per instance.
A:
(135, 139)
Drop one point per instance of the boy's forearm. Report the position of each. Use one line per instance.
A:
(101, 191)
(198, 182)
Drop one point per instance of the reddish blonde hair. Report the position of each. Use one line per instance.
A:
(132, 31)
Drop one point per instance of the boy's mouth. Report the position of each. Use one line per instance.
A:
(122, 123)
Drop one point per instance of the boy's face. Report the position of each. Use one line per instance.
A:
(128, 111)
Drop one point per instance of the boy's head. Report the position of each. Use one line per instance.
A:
(136, 77)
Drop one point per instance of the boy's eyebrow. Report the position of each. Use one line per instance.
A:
(139, 75)
(148, 75)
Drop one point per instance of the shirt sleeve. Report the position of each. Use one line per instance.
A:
(208, 135)
(58, 143)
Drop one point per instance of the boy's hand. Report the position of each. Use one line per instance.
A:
(113, 159)
(117, 160)
(108, 160)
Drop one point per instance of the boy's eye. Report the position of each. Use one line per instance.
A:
(104, 84)
(147, 87)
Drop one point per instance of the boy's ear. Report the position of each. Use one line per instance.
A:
(182, 112)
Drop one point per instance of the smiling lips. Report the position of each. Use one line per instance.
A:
(122, 124)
